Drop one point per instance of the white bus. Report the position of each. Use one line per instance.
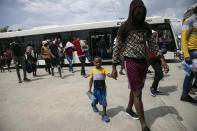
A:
(90, 32)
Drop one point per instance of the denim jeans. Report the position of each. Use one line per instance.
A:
(82, 60)
(69, 59)
(188, 79)
(87, 54)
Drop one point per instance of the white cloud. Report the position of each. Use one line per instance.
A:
(71, 11)
(61, 12)
(169, 13)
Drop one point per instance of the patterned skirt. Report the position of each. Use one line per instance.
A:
(136, 73)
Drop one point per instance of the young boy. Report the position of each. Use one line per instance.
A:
(98, 75)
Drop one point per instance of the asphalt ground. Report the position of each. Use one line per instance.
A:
(49, 103)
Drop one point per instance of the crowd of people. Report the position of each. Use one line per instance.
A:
(52, 52)
(136, 46)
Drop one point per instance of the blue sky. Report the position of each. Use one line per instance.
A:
(27, 14)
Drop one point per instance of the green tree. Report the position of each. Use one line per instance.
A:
(4, 29)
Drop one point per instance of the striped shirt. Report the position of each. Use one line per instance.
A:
(99, 76)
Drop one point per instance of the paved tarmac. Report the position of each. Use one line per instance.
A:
(53, 104)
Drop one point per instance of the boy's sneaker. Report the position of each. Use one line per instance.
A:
(106, 118)
(132, 114)
(95, 109)
(152, 92)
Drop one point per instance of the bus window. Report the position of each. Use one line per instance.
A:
(101, 41)
(166, 30)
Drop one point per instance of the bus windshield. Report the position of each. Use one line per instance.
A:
(166, 30)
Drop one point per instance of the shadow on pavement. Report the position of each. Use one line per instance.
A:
(166, 75)
(64, 68)
(65, 76)
(36, 79)
(77, 71)
(151, 76)
(153, 114)
(167, 89)
(114, 111)
(43, 75)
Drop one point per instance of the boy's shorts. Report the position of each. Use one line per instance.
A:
(100, 95)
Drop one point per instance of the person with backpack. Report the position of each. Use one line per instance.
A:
(31, 57)
(81, 56)
(55, 58)
(19, 59)
(84, 47)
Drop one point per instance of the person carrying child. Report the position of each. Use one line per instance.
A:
(97, 76)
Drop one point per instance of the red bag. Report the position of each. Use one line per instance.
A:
(150, 54)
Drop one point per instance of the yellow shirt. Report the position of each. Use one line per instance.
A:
(99, 76)
(189, 35)
(45, 54)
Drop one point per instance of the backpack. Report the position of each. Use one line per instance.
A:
(18, 49)
(28, 65)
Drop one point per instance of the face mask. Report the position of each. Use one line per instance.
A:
(139, 17)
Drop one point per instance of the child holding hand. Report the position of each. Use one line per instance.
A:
(97, 76)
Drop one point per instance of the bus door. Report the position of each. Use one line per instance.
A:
(101, 42)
